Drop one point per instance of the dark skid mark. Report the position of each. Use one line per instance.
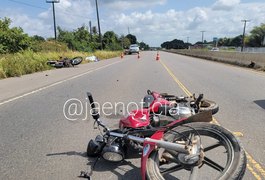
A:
(260, 103)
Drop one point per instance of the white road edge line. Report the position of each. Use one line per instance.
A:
(54, 84)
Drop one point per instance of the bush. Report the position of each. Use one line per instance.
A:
(49, 46)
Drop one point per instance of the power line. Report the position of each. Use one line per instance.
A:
(26, 4)
(68, 13)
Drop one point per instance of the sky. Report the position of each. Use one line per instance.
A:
(151, 21)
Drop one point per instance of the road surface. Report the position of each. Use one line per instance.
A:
(39, 142)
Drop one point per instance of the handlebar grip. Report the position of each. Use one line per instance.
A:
(95, 113)
(170, 98)
(91, 101)
(198, 100)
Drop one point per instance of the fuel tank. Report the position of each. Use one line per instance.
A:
(136, 119)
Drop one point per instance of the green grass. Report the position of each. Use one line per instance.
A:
(27, 62)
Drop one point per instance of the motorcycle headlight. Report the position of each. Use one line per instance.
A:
(113, 153)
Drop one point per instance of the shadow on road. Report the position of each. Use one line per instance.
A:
(123, 170)
(260, 103)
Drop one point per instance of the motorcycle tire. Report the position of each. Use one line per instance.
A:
(207, 105)
(233, 166)
(77, 60)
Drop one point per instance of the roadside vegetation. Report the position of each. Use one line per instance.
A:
(256, 38)
(250, 60)
(23, 54)
(27, 62)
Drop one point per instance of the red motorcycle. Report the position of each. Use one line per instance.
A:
(193, 150)
(160, 109)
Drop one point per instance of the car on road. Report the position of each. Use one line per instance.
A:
(134, 48)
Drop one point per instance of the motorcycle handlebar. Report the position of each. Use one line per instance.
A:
(170, 98)
(198, 100)
(91, 101)
(95, 114)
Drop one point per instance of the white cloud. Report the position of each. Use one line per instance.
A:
(130, 4)
(29, 25)
(69, 13)
(155, 28)
(225, 5)
(196, 17)
(150, 26)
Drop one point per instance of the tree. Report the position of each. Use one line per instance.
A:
(144, 46)
(257, 35)
(38, 38)
(124, 41)
(110, 40)
(66, 37)
(132, 38)
(174, 44)
(236, 41)
(82, 34)
(79, 39)
(12, 39)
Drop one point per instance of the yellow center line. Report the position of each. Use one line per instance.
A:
(253, 172)
(254, 163)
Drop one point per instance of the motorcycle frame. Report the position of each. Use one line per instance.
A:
(155, 140)
(150, 144)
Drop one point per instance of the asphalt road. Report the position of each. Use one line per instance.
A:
(38, 142)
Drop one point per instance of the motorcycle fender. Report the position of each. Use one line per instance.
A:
(205, 116)
(147, 149)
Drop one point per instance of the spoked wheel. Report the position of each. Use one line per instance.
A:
(221, 156)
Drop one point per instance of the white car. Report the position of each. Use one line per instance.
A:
(134, 48)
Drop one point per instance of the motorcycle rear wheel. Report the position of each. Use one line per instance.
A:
(225, 149)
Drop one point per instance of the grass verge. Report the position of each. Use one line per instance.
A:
(250, 60)
(27, 62)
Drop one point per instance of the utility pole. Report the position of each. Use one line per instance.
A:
(202, 37)
(188, 39)
(128, 30)
(244, 30)
(100, 37)
(90, 30)
(54, 22)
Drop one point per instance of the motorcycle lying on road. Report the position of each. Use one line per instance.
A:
(160, 109)
(65, 62)
(187, 148)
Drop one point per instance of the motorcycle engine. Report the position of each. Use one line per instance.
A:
(181, 111)
(155, 121)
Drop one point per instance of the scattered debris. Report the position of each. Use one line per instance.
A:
(92, 58)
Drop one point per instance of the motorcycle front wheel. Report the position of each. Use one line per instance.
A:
(208, 105)
(222, 156)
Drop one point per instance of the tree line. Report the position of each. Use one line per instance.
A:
(256, 38)
(14, 39)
